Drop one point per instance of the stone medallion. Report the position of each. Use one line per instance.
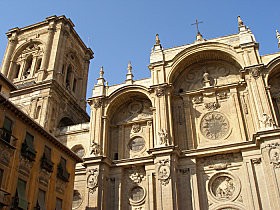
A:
(214, 125)
(137, 195)
(224, 186)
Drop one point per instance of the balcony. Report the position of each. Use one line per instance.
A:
(47, 164)
(62, 173)
(28, 152)
(7, 137)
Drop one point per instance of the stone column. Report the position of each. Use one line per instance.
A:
(194, 186)
(259, 99)
(12, 42)
(150, 173)
(48, 47)
(162, 128)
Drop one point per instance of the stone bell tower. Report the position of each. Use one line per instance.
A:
(48, 62)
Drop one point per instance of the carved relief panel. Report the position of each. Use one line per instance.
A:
(221, 178)
(131, 130)
(212, 106)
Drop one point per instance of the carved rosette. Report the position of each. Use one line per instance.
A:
(224, 187)
(92, 180)
(164, 171)
(214, 125)
(274, 154)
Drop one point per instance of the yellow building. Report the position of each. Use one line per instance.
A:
(36, 170)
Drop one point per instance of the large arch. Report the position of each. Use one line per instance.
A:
(130, 118)
(203, 51)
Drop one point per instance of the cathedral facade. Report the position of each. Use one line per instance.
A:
(200, 133)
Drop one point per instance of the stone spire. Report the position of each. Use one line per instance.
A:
(278, 37)
(157, 45)
(129, 75)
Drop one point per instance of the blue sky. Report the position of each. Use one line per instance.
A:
(123, 30)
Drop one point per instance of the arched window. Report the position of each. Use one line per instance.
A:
(27, 68)
(17, 69)
(37, 113)
(68, 73)
(65, 121)
(38, 65)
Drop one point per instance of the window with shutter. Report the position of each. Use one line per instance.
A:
(27, 149)
(7, 130)
(21, 189)
(41, 199)
(58, 205)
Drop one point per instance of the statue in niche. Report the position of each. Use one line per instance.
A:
(163, 136)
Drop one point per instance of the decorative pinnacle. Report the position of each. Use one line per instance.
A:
(101, 72)
(240, 22)
(278, 37)
(129, 75)
(157, 40)
(129, 67)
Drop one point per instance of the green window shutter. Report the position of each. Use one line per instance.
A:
(29, 140)
(8, 124)
(41, 199)
(21, 188)
(58, 205)
(47, 152)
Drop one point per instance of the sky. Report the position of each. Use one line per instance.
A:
(119, 31)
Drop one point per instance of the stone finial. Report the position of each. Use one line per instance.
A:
(199, 37)
(278, 37)
(157, 45)
(240, 22)
(157, 40)
(101, 72)
(129, 75)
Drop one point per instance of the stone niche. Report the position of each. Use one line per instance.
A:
(131, 129)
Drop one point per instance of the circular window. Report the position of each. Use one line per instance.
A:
(137, 194)
(77, 199)
(79, 150)
(137, 144)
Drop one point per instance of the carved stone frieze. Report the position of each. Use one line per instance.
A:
(266, 122)
(222, 95)
(219, 162)
(197, 99)
(211, 106)
(92, 180)
(214, 125)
